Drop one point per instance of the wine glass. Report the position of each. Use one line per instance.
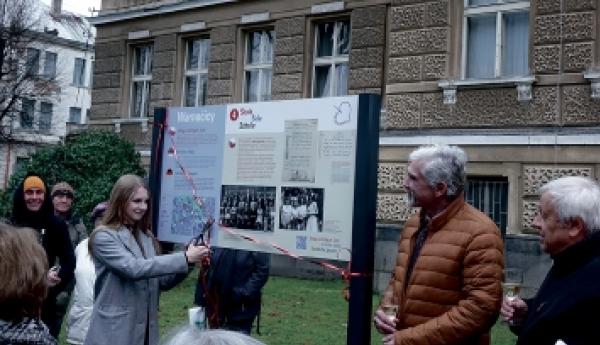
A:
(513, 280)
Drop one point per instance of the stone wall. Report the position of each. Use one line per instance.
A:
(564, 40)
(418, 42)
(367, 50)
(288, 64)
(221, 65)
(108, 80)
(563, 36)
(420, 49)
(535, 176)
(391, 196)
(162, 90)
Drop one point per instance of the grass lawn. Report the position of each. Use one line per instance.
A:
(295, 312)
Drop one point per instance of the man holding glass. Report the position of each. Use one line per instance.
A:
(446, 286)
(566, 308)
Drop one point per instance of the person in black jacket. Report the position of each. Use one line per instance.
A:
(32, 208)
(231, 288)
(567, 304)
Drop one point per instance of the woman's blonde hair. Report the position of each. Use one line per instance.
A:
(122, 192)
(115, 216)
(23, 270)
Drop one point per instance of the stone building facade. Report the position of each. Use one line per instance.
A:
(528, 115)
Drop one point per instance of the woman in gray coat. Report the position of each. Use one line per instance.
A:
(129, 270)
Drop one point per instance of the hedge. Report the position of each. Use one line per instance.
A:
(91, 162)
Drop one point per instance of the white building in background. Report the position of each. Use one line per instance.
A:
(64, 49)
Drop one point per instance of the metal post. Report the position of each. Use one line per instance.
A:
(158, 138)
(363, 224)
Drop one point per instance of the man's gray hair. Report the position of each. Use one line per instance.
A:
(192, 336)
(575, 197)
(443, 163)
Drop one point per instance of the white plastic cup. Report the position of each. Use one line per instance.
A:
(197, 317)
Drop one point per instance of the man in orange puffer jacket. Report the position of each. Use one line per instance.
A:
(447, 280)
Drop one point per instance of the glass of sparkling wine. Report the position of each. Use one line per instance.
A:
(513, 279)
(390, 310)
(511, 291)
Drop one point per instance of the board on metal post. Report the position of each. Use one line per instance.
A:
(158, 131)
(364, 220)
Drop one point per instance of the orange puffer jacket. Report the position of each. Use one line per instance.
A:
(454, 293)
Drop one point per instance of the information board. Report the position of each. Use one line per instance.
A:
(279, 172)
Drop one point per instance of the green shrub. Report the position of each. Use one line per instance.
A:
(90, 162)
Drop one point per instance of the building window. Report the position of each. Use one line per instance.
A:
(45, 117)
(27, 113)
(196, 72)
(332, 48)
(79, 73)
(32, 65)
(49, 65)
(75, 115)
(140, 81)
(20, 162)
(490, 196)
(258, 65)
(495, 38)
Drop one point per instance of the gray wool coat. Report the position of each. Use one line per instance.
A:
(127, 287)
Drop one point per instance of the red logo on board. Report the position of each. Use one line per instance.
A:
(234, 114)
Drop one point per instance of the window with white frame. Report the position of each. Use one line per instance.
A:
(196, 72)
(49, 65)
(27, 113)
(495, 39)
(332, 48)
(140, 80)
(258, 65)
(32, 63)
(75, 115)
(79, 72)
(45, 117)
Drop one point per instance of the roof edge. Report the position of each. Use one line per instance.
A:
(114, 17)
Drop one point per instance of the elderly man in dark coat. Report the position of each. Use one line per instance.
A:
(567, 305)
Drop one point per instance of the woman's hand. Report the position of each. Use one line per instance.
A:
(195, 254)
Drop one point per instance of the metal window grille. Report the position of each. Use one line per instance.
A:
(490, 196)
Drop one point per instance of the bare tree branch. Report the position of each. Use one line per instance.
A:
(19, 30)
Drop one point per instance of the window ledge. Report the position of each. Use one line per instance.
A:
(594, 78)
(523, 85)
(143, 121)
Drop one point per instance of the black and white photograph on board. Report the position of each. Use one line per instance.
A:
(248, 207)
(301, 209)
